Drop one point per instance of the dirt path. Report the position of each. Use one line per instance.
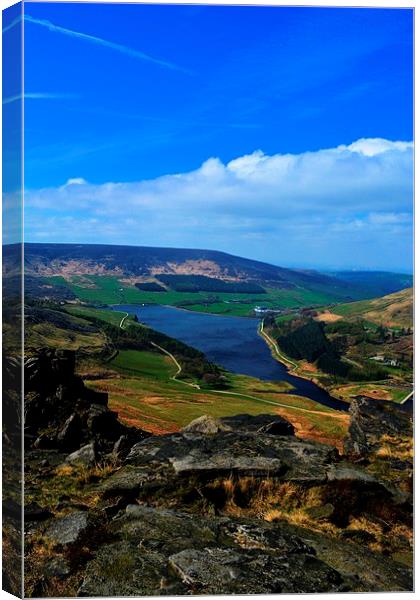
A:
(404, 400)
(122, 320)
(178, 366)
(273, 345)
(281, 405)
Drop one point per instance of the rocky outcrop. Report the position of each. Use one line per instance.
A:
(371, 421)
(271, 424)
(242, 453)
(166, 463)
(210, 469)
(62, 413)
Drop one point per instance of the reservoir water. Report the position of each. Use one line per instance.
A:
(231, 342)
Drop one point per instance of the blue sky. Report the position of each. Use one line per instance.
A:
(244, 105)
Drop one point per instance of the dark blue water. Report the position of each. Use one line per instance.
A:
(231, 342)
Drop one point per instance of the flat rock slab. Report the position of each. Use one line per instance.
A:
(268, 424)
(126, 481)
(68, 529)
(228, 571)
(227, 452)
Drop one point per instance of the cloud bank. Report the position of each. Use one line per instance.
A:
(347, 206)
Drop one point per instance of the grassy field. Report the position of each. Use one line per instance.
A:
(101, 289)
(46, 335)
(110, 316)
(144, 364)
(72, 334)
(380, 391)
(141, 390)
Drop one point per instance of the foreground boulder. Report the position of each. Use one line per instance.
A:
(270, 424)
(181, 554)
(165, 552)
(219, 571)
(86, 455)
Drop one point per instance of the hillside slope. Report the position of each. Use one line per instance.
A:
(393, 310)
(80, 259)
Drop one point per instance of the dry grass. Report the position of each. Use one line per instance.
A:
(83, 474)
(267, 498)
(300, 517)
(69, 481)
(396, 447)
(294, 505)
(363, 524)
(42, 547)
(309, 507)
(328, 317)
(94, 474)
(64, 470)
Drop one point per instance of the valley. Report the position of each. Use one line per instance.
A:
(361, 347)
(126, 364)
(173, 392)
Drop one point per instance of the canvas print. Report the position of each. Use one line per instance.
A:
(207, 299)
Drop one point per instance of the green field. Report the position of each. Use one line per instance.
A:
(353, 308)
(101, 289)
(143, 364)
(110, 316)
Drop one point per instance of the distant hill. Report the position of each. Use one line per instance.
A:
(141, 263)
(377, 283)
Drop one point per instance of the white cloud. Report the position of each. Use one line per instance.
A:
(75, 181)
(250, 205)
(374, 146)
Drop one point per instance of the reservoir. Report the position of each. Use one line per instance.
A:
(231, 342)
